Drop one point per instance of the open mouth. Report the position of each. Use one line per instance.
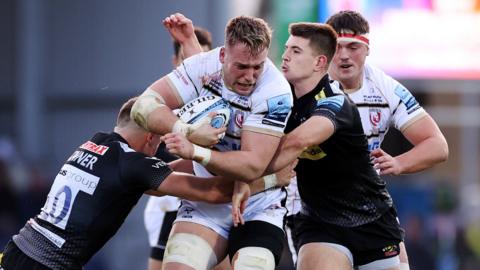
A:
(245, 85)
(345, 66)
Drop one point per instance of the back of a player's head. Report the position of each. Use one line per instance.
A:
(123, 118)
(349, 21)
(253, 32)
(322, 37)
(204, 38)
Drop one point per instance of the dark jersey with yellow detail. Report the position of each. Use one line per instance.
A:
(91, 196)
(336, 180)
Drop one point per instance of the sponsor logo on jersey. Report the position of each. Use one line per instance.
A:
(242, 102)
(187, 212)
(313, 152)
(375, 115)
(158, 162)
(333, 103)
(373, 99)
(407, 98)
(180, 76)
(213, 82)
(390, 251)
(94, 148)
(278, 109)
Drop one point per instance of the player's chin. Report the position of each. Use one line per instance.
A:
(244, 89)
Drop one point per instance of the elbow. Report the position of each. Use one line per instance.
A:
(443, 156)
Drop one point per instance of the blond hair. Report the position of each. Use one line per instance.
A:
(253, 32)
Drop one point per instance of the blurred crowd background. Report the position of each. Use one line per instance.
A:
(67, 66)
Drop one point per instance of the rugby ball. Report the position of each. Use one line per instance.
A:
(201, 107)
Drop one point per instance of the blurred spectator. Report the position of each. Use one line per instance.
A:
(419, 244)
(9, 211)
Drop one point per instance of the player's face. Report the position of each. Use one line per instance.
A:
(347, 64)
(241, 69)
(298, 59)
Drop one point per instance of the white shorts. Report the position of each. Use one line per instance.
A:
(154, 214)
(294, 203)
(265, 206)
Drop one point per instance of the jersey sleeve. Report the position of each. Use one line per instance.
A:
(186, 79)
(272, 104)
(337, 109)
(403, 105)
(140, 171)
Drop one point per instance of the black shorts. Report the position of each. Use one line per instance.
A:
(14, 259)
(256, 233)
(369, 242)
(158, 251)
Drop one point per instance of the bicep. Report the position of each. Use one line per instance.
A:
(260, 146)
(421, 130)
(168, 92)
(314, 131)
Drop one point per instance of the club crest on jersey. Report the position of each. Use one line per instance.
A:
(375, 116)
(239, 118)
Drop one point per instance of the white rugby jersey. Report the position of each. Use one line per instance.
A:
(265, 111)
(384, 102)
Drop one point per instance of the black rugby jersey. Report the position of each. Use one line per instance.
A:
(90, 198)
(336, 180)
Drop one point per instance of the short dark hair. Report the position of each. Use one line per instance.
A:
(349, 20)
(123, 117)
(322, 37)
(204, 38)
(251, 31)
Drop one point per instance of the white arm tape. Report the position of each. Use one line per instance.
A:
(270, 181)
(201, 154)
(182, 128)
(146, 103)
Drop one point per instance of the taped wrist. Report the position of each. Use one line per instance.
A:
(201, 154)
(270, 181)
(182, 128)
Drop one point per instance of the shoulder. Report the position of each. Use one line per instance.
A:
(380, 80)
(204, 60)
(272, 84)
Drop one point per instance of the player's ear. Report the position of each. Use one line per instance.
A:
(222, 55)
(321, 62)
(149, 138)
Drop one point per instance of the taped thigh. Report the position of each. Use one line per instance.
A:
(191, 250)
(254, 258)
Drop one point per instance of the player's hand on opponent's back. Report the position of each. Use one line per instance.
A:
(180, 27)
(385, 163)
(241, 193)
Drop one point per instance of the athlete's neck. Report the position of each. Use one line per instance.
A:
(306, 85)
(353, 85)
